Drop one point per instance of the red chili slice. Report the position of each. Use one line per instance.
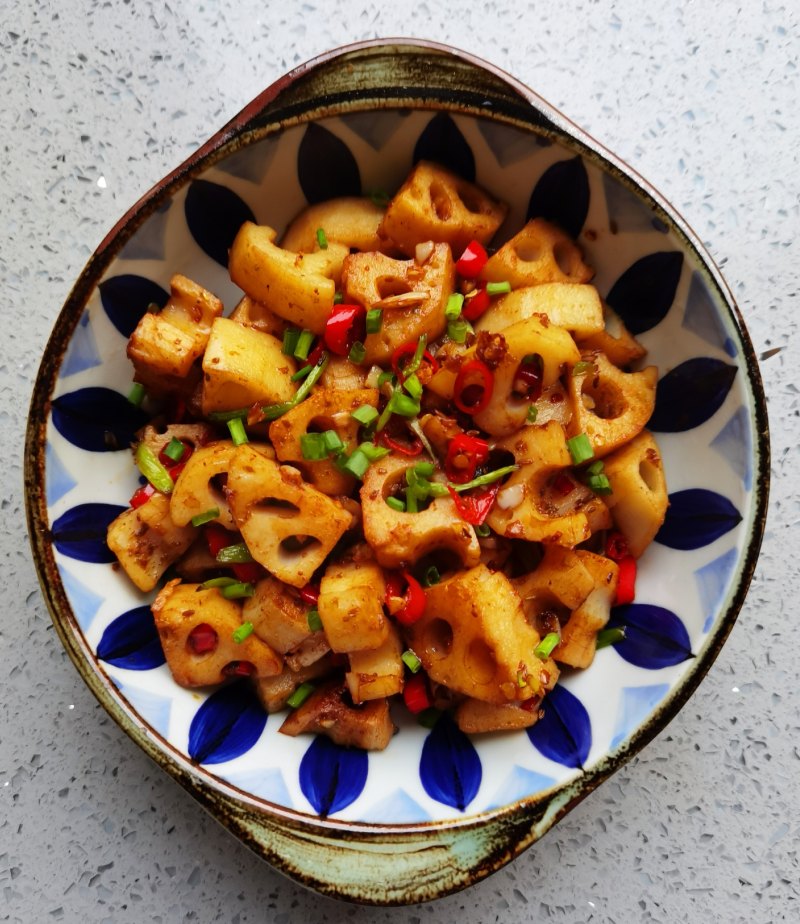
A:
(239, 669)
(472, 261)
(142, 495)
(217, 538)
(416, 695)
(529, 378)
(407, 350)
(345, 325)
(474, 508)
(316, 354)
(170, 463)
(476, 303)
(563, 484)
(616, 546)
(626, 585)
(248, 572)
(414, 606)
(464, 454)
(473, 388)
(394, 587)
(309, 594)
(404, 447)
(202, 639)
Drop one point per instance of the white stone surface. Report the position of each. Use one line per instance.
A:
(97, 101)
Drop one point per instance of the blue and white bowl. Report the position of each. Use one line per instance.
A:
(444, 809)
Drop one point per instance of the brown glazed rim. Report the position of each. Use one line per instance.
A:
(432, 859)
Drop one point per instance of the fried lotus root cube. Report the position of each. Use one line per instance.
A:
(610, 406)
(401, 538)
(412, 296)
(274, 691)
(541, 252)
(557, 586)
(326, 409)
(639, 499)
(250, 313)
(506, 412)
(351, 606)
(179, 609)
(194, 435)
(297, 287)
(326, 712)
(615, 340)
(378, 672)
(436, 205)
(146, 541)
(574, 306)
(475, 717)
(537, 513)
(474, 638)
(288, 526)
(243, 366)
(164, 346)
(349, 220)
(579, 636)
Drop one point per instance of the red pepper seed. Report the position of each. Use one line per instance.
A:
(203, 639)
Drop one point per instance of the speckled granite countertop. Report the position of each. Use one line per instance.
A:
(97, 102)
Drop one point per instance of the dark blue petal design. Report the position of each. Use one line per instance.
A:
(227, 725)
(450, 769)
(562, 196)
(80, 533)
(326, 167)
(442, 142)
(132, 642)
(214, 215)
(690, 394)
(332, 776)
(125, 299)
(97, 419)
(695, 518)
(564, 733)
(643, 294)
(654, 637)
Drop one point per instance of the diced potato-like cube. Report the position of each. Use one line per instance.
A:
(290, 527)
(436, 205)
(475, 717)
(147, 542)
(351, 606)
(541, 252)
(377, 672)
(573, 306)
(614, 340)
(639, 497)
(474, 638)
(341, 373)
(296, 287)
(179, 608)
(243, 366)
(412, 296)
(349, 220)
(250, 313)
(611, 406)
(274, 691)
(399, 538)
(326, 409)
(579, 636)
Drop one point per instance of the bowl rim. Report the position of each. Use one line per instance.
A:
(276, 108)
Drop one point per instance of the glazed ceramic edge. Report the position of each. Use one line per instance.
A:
(428, 861)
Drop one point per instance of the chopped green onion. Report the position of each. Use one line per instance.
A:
(218, 582)
(290, 337)
(207, 516)
(174, 449)
(413, 386)
(483, 530)
(372, 452)
(322, 239)
(380, 198)
(431, 577)
(237, 591)
(425, 469)
(300, 374)
(580, 449)
(411, 661)
(314, 620)
(595, 468)
(303, 345)
(332, 441)
(416, 359)
(457, 330)
(300, 695)
(385, 377)
(274, 411)
(411, 501)
(610, 637)
(365, 414)
(240, 634)
(488, 478)
(338, 298)
(599, 484)
(374, 320)
(236, 554)
(454, 305)
(357, 352)
(428, 717)
(237, 431)
(545, 648)
(312, 446)
(533, 413)
(396, 504)
(153, 470)
(581, 368)
(225, 416)
(403, 405)
(498, 288)
(136, 394)
(356, 464)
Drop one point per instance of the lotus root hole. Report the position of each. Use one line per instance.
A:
(438, 638)
(440, 200)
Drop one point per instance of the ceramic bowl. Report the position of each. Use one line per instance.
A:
(437, 810)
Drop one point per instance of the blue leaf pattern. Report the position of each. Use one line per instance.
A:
(326, 167)
(562, 196)
(654, 636)
(131, 641)
(442, 142)
(81, 353)
(59, 479)
(690, 394)
(450, 769)
(125, 299)
(227, 725)
(214, 215)
(643, 294)
(97, 419)
(564, 733)
(695, 518)
(80, 533)
(332, 776)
